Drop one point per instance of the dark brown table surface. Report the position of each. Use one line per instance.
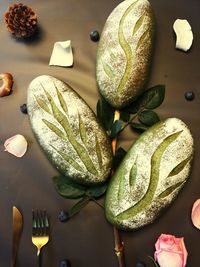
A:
(87, 239)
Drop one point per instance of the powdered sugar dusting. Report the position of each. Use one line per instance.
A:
(143, 150)
(56, 141)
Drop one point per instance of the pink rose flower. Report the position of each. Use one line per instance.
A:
(170, 251)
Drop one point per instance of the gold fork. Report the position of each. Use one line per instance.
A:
(40, 231)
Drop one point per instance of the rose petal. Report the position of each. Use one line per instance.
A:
(195, 216)
(170, 251)
(169, 259)
(16, 145)
(185, 253)
(62, 54)
(184, 35)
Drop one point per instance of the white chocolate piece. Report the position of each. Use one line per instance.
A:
(184, 35)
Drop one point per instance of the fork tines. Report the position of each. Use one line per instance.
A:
(40, 223)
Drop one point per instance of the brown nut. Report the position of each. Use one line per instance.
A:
(6, 87)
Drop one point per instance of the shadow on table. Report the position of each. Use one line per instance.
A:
(34, 39)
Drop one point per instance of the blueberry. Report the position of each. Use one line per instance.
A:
(65, 263)
(189, 95)
(23, 108)
(140, 264)
(94, 36)
(63, 216)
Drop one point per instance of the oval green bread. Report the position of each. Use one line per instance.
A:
(151, 175)
(68, 131)
(125, 51)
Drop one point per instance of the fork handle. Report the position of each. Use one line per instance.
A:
(38, 260)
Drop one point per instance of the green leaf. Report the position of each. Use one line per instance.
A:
(105, 114)
(66, 188)
(79, 206)
(155, 263)
(138, 126)
(169, 190)
(148, 117)
(125, 115)
(96, 191)
(133, 107)
(153, 97)
(117, 126)
(118, 157)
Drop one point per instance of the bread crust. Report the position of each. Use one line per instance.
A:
(125, 51)
(151, 175)
(68, 131)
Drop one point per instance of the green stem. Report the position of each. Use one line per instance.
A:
(93, 199)
(155, 263)
(132, 119)
(128, 123)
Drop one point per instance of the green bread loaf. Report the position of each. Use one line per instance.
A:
(125, 51)
(68, 131)
(151, 175)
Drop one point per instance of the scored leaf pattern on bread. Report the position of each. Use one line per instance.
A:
(153, 181)
(126, 48)
(150, 176)
(179, 167)
(138, 23)
(124, 52)
(170, 190)
(61, 118)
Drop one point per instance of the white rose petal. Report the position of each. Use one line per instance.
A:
(184, 35)
(62, 54)
(16, 145)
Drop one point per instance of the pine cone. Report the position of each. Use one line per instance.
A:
(21, 20)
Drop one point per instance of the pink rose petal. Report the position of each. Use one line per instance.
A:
(16, 145)
(195, 216)
(169, 259)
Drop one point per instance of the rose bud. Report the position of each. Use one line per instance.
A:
(6, 87)
(170, 251)
(195, 216)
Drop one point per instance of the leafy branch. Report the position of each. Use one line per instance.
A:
(69, 189)
(142, 110)
(140, 115)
